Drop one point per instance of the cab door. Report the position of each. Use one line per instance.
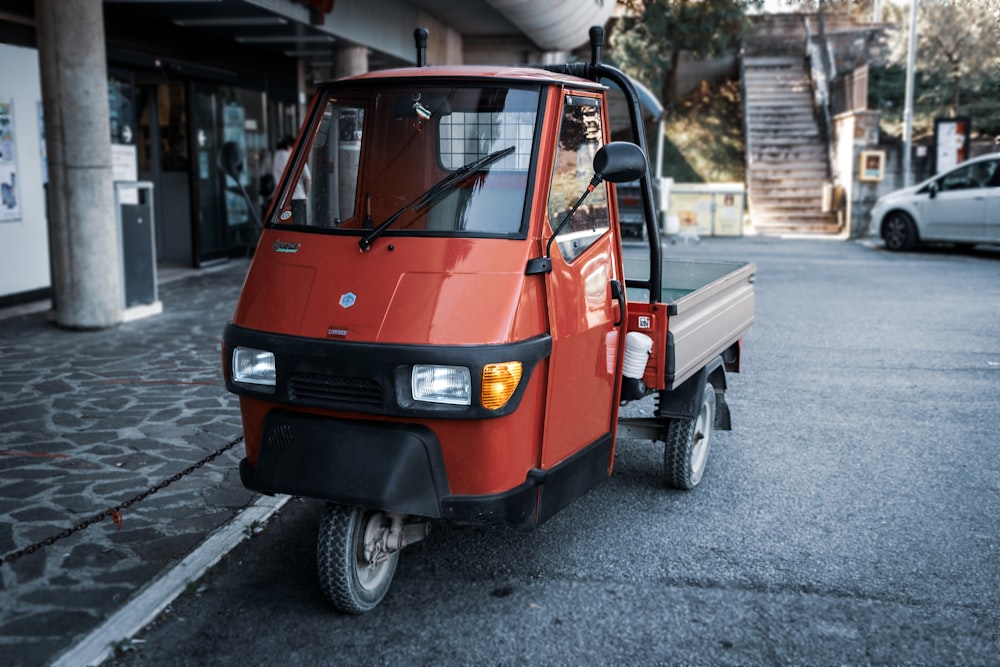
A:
(584, 314)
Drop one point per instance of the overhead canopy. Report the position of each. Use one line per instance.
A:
(555, 25)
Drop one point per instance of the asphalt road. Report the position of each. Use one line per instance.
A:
(851, 517)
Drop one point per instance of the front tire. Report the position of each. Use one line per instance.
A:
(899, 232)
(688, 440)
(355, 568)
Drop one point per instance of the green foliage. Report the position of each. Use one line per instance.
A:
(704, 136)
(957, 66)
(647, 41)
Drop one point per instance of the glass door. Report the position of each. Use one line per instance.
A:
(230, 129)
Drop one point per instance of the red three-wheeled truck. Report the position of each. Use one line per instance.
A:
(445, 329)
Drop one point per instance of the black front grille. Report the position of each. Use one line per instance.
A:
(334, 389)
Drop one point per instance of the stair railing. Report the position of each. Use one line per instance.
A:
(822, 71)
(747, 139)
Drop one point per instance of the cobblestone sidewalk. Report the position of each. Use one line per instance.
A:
(91, 420)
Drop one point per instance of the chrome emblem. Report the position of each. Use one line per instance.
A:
(286, 246)
(347, 299)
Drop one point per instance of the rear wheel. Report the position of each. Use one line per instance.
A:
(899, 232)
(688, 440)
(355, 566)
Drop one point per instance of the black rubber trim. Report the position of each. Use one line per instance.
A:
(386, 365)
(380, 465)
(543, 493)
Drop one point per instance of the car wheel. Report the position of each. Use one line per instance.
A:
(688, 440)
(899, 232)
(355, 568)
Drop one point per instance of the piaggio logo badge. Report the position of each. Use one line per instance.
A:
(286, 246)
(347, 299)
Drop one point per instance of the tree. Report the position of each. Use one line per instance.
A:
(959, 44)
(648, 42)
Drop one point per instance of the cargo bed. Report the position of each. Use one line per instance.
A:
(708, 305)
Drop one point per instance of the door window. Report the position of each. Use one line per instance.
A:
(580, 137)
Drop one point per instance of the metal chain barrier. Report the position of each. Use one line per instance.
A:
(115, 512)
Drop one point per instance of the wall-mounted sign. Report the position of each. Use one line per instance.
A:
(871, 166)
(951, 142)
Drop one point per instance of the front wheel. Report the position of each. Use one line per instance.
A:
(899, 232)
(686, 451)
(355, 566)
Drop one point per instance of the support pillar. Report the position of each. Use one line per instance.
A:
(350, 61)
(87, 282)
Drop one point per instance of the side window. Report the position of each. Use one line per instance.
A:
(325, 192)
(985, 174)
(959, 179)
(580, 137)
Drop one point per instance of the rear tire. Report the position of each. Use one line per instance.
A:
(685, 452)
(354, 568)
(899, 232)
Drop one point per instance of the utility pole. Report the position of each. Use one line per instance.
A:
(908, 108)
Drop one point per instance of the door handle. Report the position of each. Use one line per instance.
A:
(618, 293)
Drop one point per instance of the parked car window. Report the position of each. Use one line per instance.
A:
(990, 174)
(962, 178)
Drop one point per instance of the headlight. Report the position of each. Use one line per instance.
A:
(442, 384)
(499, 383)
(252, 366)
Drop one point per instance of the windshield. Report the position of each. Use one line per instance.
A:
(431, 160)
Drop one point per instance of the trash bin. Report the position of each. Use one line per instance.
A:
(134, 204)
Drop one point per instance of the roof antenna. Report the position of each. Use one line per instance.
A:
(596, 43)
(420, 37)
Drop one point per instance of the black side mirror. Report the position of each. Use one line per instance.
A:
(932, 190)
(620, 162)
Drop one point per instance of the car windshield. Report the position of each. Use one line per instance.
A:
(411, 160)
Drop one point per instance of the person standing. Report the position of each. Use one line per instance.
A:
(300, 195)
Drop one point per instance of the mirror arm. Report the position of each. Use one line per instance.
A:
(594, 182)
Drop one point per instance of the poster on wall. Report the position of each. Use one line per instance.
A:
(951, 142)
(10, 204)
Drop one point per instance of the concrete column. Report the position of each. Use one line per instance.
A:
(350, 61)
(83, 228)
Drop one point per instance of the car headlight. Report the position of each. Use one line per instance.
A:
(252, 366)
(441, 384)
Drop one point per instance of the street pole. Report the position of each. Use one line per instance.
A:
(908, 108)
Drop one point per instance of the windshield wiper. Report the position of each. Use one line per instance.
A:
(428, 197)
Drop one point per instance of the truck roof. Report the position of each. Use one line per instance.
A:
(506, 73)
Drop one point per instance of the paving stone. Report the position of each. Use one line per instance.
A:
(140, 573)
(48, 623)
(169, 548)
(85, 599)
(90, 554)
(38, 514)
(22, 490)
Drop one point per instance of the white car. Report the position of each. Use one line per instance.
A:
(960, 206)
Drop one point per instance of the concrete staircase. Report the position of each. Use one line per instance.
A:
(787, 155)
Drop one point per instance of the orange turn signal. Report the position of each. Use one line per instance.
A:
(499, 383)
